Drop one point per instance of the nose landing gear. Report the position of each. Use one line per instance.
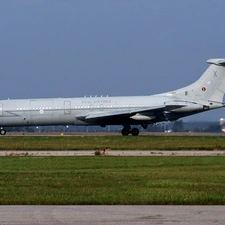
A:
(2, 131)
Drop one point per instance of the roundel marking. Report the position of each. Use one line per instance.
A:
(203, 89)
(41, 111)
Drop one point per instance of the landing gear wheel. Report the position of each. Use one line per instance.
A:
(125, 132)
(2, 132)
(135, 132)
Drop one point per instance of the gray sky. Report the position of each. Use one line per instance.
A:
(72, 48)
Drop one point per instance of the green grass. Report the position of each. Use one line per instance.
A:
(113, 142)
(112, 180)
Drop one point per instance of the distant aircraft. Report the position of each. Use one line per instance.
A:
(204, 94)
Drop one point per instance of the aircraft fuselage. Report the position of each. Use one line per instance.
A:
(71, 111)
(205, 94)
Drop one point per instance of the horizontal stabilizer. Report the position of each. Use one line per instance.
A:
(219, 62)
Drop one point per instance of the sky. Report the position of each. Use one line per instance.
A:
(73, 48)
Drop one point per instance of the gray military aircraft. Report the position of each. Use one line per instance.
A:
(205, 94)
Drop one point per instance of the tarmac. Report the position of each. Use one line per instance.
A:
(114, 153)
(111, 215)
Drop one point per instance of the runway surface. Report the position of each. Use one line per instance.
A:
(110, 215)
(114, 153)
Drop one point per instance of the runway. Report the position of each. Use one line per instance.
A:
(110, 215)
(114, 153)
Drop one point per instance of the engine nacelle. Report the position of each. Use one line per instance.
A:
(191, 107)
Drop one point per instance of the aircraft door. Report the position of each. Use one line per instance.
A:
(67, 107)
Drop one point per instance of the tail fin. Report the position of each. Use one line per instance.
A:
(209, 87)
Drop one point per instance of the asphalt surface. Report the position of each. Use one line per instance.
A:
(111, 134)
(123, 215)
(110, 215)
(114, 153)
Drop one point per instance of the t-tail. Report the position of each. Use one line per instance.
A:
(210, 87)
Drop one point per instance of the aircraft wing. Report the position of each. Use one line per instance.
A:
(123, 112)
(128, 113)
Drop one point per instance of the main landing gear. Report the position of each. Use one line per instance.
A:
(2, 131)
(126, 131)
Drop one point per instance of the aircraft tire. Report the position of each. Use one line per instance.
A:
(135, 132)
(125, 132)
(3, 132)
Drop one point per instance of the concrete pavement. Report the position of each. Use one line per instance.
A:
(114, 153)
(111, 215)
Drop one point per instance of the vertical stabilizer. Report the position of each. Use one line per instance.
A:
(209, 87)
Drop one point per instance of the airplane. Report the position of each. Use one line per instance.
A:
(205, 94)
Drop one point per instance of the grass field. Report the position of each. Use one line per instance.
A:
(113, 142)
(112, 180)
